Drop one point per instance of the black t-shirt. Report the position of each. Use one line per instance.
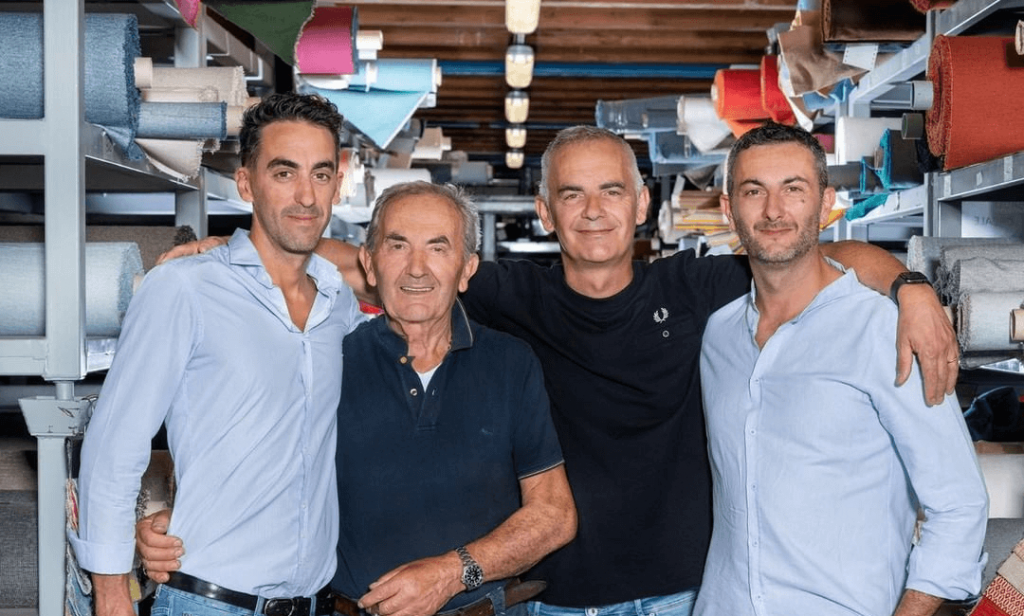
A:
(622, 376)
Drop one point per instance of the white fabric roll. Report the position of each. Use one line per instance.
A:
(980, 274)
(925, 253)
(110, 270)
(860, 137)
(983, 321)
(696, 118)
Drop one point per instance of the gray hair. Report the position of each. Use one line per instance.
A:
(584, 134)
(453, 194)
(771, 133)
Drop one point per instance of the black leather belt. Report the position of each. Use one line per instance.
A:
(295, 606)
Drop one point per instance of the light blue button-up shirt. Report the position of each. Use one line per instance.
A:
(250, 405)
(819, 464)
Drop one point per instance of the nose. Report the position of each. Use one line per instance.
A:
(592, 208)
(305, 194)
(417, 263)
(773, 206)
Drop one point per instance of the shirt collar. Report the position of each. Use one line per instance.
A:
(837, 288)
(462, 332)
(242, 252)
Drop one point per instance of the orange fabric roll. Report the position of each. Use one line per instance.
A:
(772, 99)
(737, 94)
(739, 127)
(926, 5)
(978, 114)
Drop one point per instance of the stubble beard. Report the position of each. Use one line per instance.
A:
(805, 242)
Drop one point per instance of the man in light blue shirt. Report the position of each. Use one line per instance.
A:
(819, 462)
(239, 352)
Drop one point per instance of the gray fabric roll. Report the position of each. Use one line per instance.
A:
(183, 121)
(110, 270)
(983, 321)
(111, 44)
(951, 255)
(980, 274)
(924, 253)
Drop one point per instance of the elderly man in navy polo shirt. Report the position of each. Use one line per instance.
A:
(450, 476)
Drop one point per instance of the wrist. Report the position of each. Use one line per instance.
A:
(907, 280)
(471, 574)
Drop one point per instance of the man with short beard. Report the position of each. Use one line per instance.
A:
(819, 463)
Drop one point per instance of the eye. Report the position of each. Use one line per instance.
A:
(283, 174)
(752, 192)
(322, 177)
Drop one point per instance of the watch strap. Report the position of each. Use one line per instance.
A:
(905, 278)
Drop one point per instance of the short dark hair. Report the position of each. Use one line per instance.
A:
(463, 205)
(311, 108)
(772, 133)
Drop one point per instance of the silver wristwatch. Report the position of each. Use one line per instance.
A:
(472, 574)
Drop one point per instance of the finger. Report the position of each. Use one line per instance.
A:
(161, 520)
(904, 362)
(952, 376)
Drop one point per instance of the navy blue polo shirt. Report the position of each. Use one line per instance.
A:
(422, 471)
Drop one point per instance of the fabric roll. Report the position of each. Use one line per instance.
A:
(111, 44)
(983, 321)
(860, 137)
(180, 95)
(977, 113)
(110, 271)
(852, 21)
(277, 23)
(696, 118)
(898, 168)
(736, 93)
(176, 158)
(928, 5)
(189, 10)
(327, 42)
(773, 100)
(980, 274)
(228, 81)
(635, 115)
(183, 121)
(924, 254)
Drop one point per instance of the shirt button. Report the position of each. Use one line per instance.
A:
(591, 611)
(665, 334)
(403, 360)
(413, 392)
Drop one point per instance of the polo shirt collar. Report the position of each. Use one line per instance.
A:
(462, 332)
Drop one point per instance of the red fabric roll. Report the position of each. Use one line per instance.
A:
(978, 114)
(926, 5)
(739, 127)
(772, 98)
(737, 94)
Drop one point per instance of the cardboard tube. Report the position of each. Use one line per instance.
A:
(143, 73)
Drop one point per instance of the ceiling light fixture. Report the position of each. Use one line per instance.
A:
(514, 159)
(517, 106)
(522, 16)
(519, 66)
(515, 136)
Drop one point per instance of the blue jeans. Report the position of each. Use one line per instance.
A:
(173, 602)
(679, 604)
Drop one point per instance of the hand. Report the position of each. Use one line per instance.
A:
(419, 588)
(160, 551)
(192, 248)
(110, 593)
(924, 330)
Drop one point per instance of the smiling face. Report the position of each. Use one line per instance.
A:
(593, 204)
(291, 182)
(420, 263)
(778, 207)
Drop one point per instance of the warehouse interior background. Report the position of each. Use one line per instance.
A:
(470, 92)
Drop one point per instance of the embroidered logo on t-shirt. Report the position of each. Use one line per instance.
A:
(660, 315)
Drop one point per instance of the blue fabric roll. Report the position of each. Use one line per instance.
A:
(110, 270)
(188, 121)
(111, 44)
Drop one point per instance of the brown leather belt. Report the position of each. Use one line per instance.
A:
(515, 592)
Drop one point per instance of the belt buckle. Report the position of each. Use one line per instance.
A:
(280, 607)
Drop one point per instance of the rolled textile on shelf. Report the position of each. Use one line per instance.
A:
(696, 118)
(736, 93)
(980, 274)
(924, 254)
(176, 158)
(326, 44)
(111, 44)
(977, 112)
(898, 167)
(860, 137)
(851, 21)
(183, 121)
(772, 99)
(180, 95)
(951, 255)
(983, 320)
(110, 273)
(927, 5)
(228, 81)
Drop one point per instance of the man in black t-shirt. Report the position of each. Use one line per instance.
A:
(619, 343)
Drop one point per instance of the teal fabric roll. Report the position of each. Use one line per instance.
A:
(111, 46)
(110, 271)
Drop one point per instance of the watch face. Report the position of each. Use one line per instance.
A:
(914, 277)
(472, 576)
